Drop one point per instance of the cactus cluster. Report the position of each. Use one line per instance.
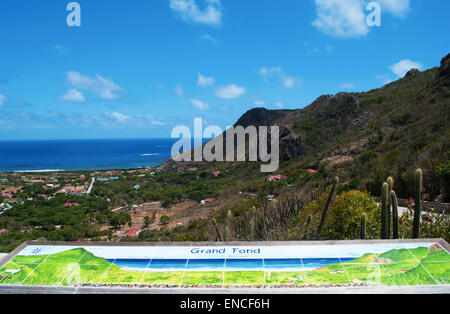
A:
(389, 205)
(389, 208)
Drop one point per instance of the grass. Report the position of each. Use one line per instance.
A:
(163, 278)
(244, 278)
(78, 266)
(286, 278)
(203, 278)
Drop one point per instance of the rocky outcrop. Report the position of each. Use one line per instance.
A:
(382, 260)
(435, 248)
(412, 72)
(444, 70)
(260, 117)
(291, 148)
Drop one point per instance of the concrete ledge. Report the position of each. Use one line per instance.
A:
(444, 289)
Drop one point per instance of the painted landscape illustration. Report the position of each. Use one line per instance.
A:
(397, 266)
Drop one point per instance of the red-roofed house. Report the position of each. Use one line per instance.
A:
(71, 204)
(277, 177)
(2, 231)
(216, 173)
(209, 200)
(133, 232)
(8, 195)
(311, 171)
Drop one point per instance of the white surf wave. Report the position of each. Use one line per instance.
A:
(38, 171)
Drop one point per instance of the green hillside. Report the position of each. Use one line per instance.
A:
(365, 137)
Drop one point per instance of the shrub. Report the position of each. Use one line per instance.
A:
(443, 174)
(164, 220)
(434, 225)
(344, 218)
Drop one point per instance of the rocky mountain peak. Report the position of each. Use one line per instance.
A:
(412, 72)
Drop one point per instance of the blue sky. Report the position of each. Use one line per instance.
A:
(136, 69)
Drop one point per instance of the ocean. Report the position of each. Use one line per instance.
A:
(65, 155)
(228, 264)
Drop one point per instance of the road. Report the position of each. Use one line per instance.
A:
(91, 186)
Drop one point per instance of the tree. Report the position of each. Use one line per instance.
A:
(146, 221)
(164, 220)
(120, 219)
(443, 174)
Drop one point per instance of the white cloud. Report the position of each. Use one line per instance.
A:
(230, 92)
(402, 67)
(348, 18)
(103, 87)
(279, 105)
(118, 116)
(2, 99)
(73, 95)
(342, 18)
(51, 119)
(398, 8)
(288, 81)
(205, 81)
(259, 104)
(191, 11)
(384, 78)
(61, 49)
(198, 104)
(209, 38)
(347, 86)
(179, 90)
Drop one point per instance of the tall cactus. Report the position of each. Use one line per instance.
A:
(308, 224)
(327, 207)
(227, 232)
(418, 204)
(384, 211)
(216, 227)
(394, 203)
(363, 227)
(252, 227)
(390, 182)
